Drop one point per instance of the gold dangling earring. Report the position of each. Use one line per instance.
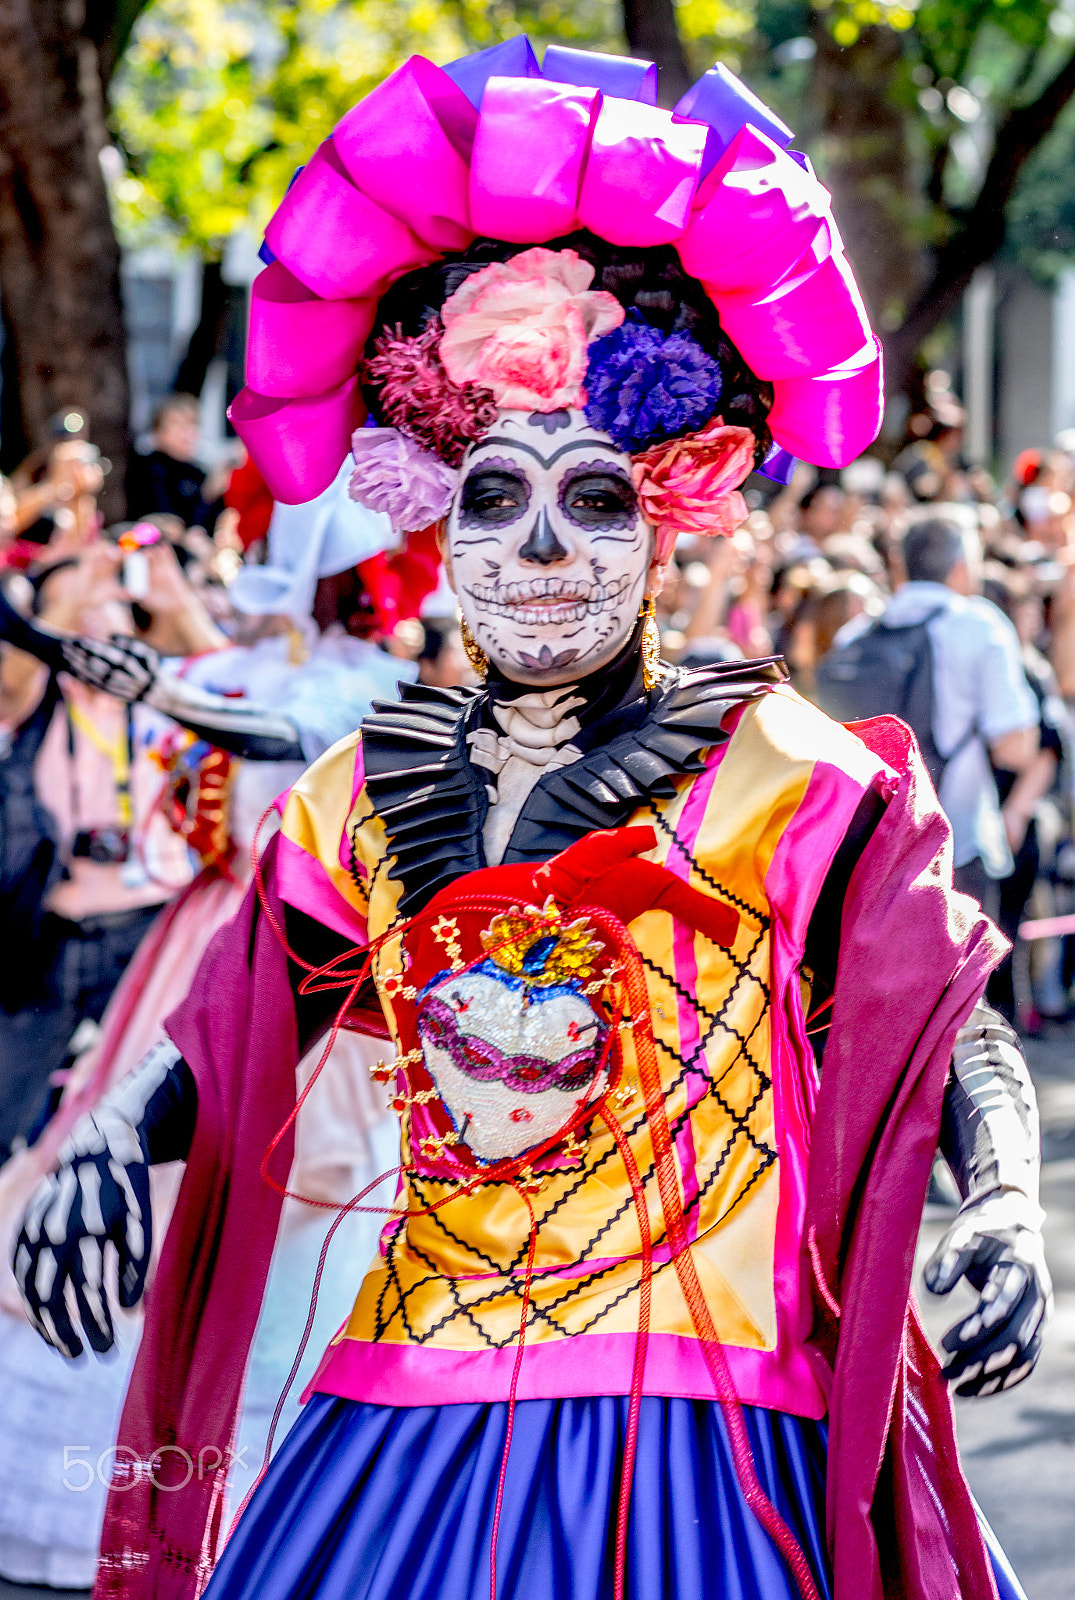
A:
(651, 645)
(475, 654)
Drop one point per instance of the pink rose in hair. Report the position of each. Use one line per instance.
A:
(521, 328)
(692, 484)
(395, 475)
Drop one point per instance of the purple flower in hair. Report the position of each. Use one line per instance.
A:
(645, 386)
(395, 475)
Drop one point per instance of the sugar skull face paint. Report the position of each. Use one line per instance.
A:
(549, 553)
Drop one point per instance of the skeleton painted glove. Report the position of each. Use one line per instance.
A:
(123, 667)
(989, 1137)
(100, 1196)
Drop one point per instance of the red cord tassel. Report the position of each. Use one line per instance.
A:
(334, 975)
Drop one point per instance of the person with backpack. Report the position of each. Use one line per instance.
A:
(948, 663)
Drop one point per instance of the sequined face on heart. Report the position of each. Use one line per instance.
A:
(513, 1045)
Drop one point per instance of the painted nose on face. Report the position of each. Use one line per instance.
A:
(542, 545)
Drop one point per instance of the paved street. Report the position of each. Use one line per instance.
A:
(1019, 1448)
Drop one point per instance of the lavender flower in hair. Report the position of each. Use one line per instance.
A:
(395, 475)
(645, 386)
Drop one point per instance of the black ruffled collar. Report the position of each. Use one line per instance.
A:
(433, 802)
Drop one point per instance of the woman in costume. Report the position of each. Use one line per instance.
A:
(679, 996)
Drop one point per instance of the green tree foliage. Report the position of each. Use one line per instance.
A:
(931, 121)
(217, 102)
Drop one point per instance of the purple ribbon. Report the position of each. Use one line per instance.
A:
(725, 104)
(620, 76)
(514, 58)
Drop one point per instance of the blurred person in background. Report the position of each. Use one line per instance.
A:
(1021, 793)
(931, 464)
(950, 664)
(168, 478)
(51, 500)
(821, 512)
(103, 863)
(442, 661)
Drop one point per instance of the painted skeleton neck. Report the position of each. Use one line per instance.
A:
(537, 730)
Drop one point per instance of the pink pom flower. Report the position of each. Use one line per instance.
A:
(520, 329)
(395, 475)
(692, 484)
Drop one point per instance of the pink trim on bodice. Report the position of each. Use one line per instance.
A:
(587, 1364)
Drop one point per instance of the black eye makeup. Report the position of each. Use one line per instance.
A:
(494, 494)
(598, 494)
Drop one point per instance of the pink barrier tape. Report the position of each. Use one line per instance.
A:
(335, 240)
(621, 76)
(297, 344)
(1047, 927)
(298, 444)
(406, 146)
(642, 174)
(530, 150)
(807, 325)
(755, 216)
(831, 418)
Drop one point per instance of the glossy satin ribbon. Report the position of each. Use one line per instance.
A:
(493, 146)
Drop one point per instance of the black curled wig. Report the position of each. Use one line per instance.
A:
(648, 280)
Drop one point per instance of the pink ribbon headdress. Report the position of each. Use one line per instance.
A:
(495, 147)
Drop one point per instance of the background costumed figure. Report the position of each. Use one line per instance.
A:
(300, 687)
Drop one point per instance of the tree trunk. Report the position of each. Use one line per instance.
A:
(652, 34)
(59, 259)
(868, 166)
(207, 337)
(982, 228)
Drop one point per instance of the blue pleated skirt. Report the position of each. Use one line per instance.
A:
(368, 1502)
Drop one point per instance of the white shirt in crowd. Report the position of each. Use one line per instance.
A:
(979, 683)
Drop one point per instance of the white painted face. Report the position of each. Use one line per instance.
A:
(547, 549)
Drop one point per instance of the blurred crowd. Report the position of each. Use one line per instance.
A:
(987, 568)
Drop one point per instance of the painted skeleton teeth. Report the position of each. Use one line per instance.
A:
(550, 599)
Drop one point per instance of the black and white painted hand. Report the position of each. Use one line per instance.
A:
(995, 1243)
(123, 667)
(99, 1197)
